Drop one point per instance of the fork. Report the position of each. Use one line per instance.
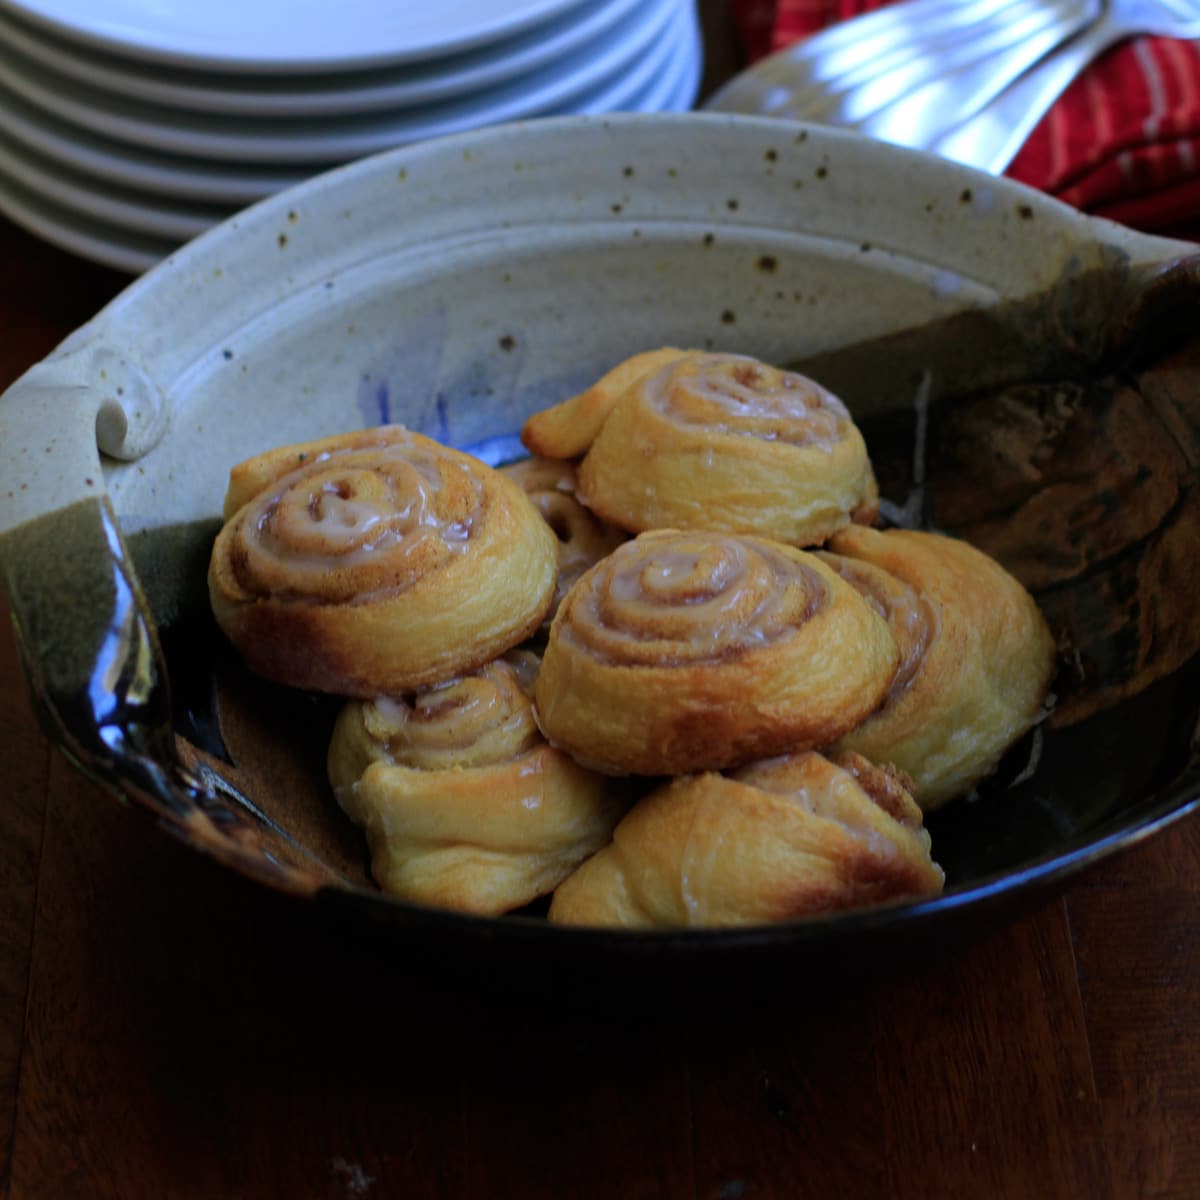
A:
(957, 73)
(910, 71)
(992, 138)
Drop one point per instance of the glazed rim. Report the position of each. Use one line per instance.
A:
(560, 181)
(116, 378)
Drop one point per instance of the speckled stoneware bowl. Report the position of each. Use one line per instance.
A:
(1026, 378)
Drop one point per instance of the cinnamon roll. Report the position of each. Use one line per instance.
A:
(796, 836)
(685, 652)
(976, 656)
(720, 442)
(583, 539)
(463, 803)
(376, 562)
(568, 429)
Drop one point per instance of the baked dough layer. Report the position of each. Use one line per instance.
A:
(791, 837)
(377, 561)
(583, 539)
(977, 657)
(462, 802)
(695, 651)
(724, 442)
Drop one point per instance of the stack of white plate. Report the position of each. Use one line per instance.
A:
(130, 126)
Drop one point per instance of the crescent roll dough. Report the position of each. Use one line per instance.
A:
(687, 440)
(685, 652)
(463, 803)
(790, 837)
(976, 656)
(375, 562)
(583, 539)
(568, 429)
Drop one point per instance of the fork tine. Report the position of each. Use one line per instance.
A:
(878, 51)
(920, 115)
(958, 43)
(992, 137)
(918, 71)
(902, 85)
(888, 26)
(855, 80)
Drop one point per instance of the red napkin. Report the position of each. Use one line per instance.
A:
(1123, 141)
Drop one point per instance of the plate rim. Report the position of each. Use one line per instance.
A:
(211, 92)
(600, 83)
(58, 19)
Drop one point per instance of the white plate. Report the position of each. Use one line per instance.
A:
(106, 224)
(80, 234)
(120, 207)
(687, 83)
(96, 221)
(674, 87)
(319, 95)
(597, 77)
(233, 184)
(121, 227)
(285, 36)
(673, 90)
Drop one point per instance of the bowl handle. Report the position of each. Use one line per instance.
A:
(83, 628)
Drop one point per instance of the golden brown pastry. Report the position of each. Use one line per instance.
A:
(790, 837)
(695, 651)
(713, 441)
(568, 429)
(976, 656)
(463, 803)
(376, 562)
(583, 539)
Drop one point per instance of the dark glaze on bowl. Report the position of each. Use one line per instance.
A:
(1063, 440)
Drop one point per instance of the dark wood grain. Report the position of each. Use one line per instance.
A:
(788, 1103)
(1018, 1115)
(1136, 929)
(25, 760)
(871, 1091)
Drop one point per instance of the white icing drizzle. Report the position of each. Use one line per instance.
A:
(697, 598)
(360, 508)
(734, 394)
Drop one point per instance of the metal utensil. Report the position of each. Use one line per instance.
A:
(910, 72)
(992, 138)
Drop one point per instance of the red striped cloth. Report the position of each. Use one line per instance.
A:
(1122, 142)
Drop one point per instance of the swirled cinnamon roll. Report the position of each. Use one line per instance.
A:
(791, 837)
(685, 652)
(976, 656)
(375, 562)
(583, 539)
(463, 803)
(721, 442)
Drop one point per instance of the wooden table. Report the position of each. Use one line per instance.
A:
(169, 1030)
